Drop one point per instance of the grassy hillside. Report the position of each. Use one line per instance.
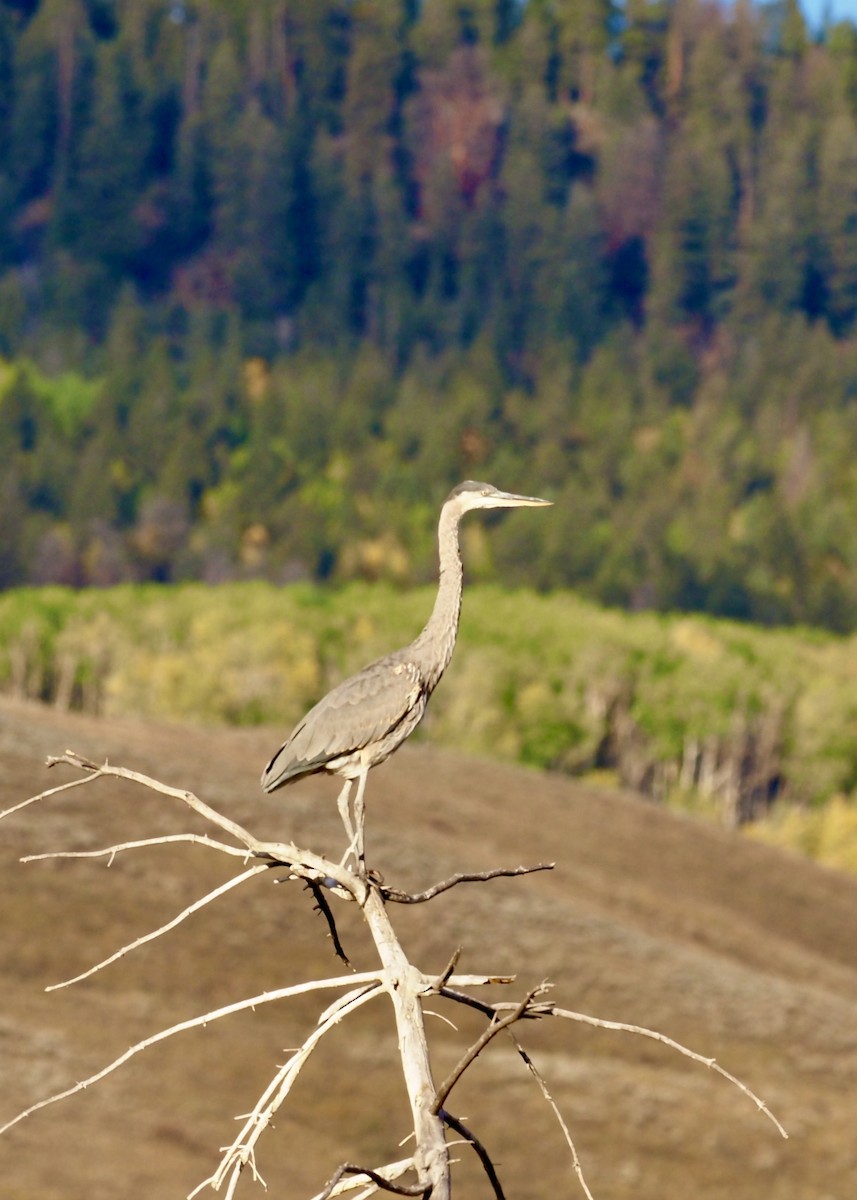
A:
(728, 946)
(737, 722)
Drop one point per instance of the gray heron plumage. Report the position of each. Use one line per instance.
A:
(362, 720)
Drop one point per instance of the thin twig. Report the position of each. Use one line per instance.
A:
(156, 933)
(482, 1006)
(430, 1012)
(201, 839)
(540, 1010)
(324, 908)
(711, 1063)
(543, 1088)
(490, 1032)
(193, 1023)
(484, 1156)
(489, 1010)
(460, 981)
(63, 787)
(75, 760)
(442, 978)
(399, 897)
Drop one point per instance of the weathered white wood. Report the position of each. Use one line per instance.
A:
(405, 984)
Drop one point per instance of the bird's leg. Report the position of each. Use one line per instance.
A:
(359, 809)
(355, 829)
(342, 805)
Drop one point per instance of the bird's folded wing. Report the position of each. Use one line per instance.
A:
(361, 710)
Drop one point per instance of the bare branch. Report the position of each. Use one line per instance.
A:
(462, 998)
(302, 863)
(484, 1157)
(381, 1181)
(496, 1026)
(324, 908)
(475, 981)
(194, 1022)
(543, 1088)
(74, 760)
(389, 1171)
(201, 839)
(405, 985)
(399, 897)
(156, 933)
(550, 1010)
(243, 1149)
(63, 787)
(489, 1010)
(430, 1012)
(711, 1063)
(442, 978)
(215, 818)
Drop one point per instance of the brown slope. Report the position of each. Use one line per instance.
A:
(731, 947)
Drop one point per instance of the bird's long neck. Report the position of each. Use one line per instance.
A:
(433, 649)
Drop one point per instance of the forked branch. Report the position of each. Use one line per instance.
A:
(381, 1180)
(527, 1009)
(343, 1182)
(498, 1024)
(301, 863)
(193, 1023)
(242, 1152)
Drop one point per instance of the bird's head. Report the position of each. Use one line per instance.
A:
(470, 495)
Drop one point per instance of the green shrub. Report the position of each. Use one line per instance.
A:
(688, 707)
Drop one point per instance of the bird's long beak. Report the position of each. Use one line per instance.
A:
(511, 500)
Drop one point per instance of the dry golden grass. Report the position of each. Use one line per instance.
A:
(735, 948)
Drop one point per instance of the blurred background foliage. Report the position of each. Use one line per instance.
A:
(274, 275)
(746, 725)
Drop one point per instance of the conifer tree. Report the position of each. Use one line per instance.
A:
(837, 218)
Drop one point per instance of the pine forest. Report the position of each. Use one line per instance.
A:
(276, 274)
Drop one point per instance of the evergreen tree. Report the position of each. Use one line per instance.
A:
(585, 31)
(780, 243)
(7, 85)
(837, 218)
(103, 221)
(693, 264)
(372, 97)
(32, 123)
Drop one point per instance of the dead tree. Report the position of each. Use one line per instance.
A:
(426, 1171)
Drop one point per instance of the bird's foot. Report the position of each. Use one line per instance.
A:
(352, 855)
(355, 857)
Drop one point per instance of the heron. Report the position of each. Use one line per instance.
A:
(364, 719)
